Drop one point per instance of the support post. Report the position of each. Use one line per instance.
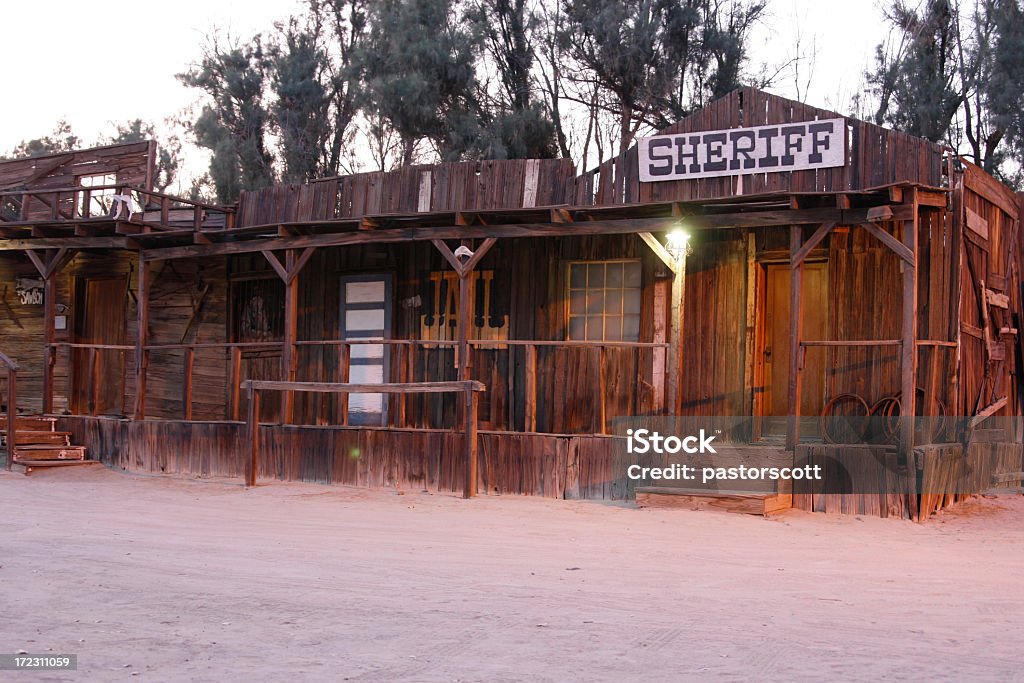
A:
(49, 352)
(675, 349)
(908, 359)
(142, 339)
(253, 433)
(530, 424)
(289, 357)
(186, 398)
(796, 274)
(236, 379)
(470, 439)
(12, 413)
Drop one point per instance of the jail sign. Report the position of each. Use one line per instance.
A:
(737, 151)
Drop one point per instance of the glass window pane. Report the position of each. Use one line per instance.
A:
(577, 327)
(595, 275)
(594, 330)
(613, 301)
(578, 275)
(365, 320)
(614, 276)
(577, 301)
(595, 301)
(631, 328)
(631, 274)
(613, 328)
(364, 292)
(631, 299)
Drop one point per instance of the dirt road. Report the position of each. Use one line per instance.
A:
(171, 579)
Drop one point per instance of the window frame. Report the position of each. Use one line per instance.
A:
(569, 289)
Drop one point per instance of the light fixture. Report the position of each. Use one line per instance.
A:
(676, 243)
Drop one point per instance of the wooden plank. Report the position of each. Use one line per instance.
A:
(888, 240)
(391, 388)
(530, 389)
(820, 234)
(976, 223)
(795, 334)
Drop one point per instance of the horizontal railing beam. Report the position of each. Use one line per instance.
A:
(391, 388)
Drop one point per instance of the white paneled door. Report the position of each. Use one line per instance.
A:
(366, 315)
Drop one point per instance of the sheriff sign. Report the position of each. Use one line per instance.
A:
(764, 149)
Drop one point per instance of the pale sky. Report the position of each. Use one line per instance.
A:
(96, 62)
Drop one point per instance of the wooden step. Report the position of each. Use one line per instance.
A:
(763, 504)
(30, 466)
(27, 437)
(48, 452)
(32, 423)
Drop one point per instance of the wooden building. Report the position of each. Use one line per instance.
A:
(854, 265)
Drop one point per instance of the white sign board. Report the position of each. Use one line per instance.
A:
(737, 151)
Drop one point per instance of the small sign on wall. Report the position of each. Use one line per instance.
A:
(739, 151)
(29, 291)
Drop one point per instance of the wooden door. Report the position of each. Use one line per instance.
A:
(774, 349)
(366, 315)
(98, 376)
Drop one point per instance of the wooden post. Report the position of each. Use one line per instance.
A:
(675, 348)
(253, 433)
(908, 359)
(94, 385)
(344, 366)
(49, 352)
(289, 357)
(12, 413)
(470, 439)
(236, 381)
(186, 398)
(142, 338)
(530, 424)
(602, 384)
(796, 273)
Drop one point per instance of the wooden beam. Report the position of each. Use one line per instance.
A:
(69, 242)
(659, 250)
(276, 264)
(289, 355)
(894, 244)
(478, 254)
(796, 273)
(673, 365)
(813, 242)
(252, 463)
(142, 337)
(300, 263)
(470, 436)
(390, 235)
(908, 358)
(389, 388)
(449, 256)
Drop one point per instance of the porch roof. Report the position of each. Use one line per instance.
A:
(157, 240)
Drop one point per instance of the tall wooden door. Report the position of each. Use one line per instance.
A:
(366, 315)
(774, 349)
(98, 376)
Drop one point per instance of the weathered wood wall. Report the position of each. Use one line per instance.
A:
(873, 480)
(990, 295)
(875, 156)
(574, 467)
(132, 163)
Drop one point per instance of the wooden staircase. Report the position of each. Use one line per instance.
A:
(39, 444)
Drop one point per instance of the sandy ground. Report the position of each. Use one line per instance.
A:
(172, 579)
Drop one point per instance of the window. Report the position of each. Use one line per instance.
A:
(604, 301)
(97, 202)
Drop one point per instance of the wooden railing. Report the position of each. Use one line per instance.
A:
(76, 203)
(527, 392)
(469, 389)
(12, 406)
